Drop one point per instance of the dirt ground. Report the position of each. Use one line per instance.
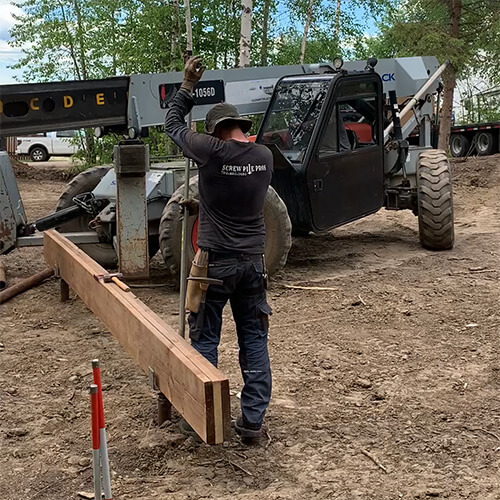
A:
(400, 361)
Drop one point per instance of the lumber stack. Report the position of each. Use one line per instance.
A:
(197, 390)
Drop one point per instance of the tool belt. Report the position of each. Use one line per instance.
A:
(196, 288)
(196, 292)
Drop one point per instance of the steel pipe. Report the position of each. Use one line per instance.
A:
(3, 276)
(414, 100)
(25, 284)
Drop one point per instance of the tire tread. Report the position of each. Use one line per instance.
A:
(435, 201)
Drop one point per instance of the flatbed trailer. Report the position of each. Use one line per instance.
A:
(482, 139)
(475, 138)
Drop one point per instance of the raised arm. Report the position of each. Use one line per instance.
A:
(195, 146)
(175, 119)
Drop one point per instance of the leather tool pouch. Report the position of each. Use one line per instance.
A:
(194, 292)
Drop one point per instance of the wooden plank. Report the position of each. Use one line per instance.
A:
(195, 388)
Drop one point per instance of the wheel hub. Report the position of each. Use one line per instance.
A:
(456, 145)
(482, 142)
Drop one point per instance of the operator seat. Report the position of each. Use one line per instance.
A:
(329, 142)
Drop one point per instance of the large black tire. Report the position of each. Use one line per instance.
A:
(276, 219)
(435, 200)
(39, 153)
(459, 145)
(86, 181)
(486, 143)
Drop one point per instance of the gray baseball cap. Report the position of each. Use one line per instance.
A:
(222, 112)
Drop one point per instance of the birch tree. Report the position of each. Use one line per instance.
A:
(307, 25)
(336, 29)
(265, 32)
(246, 33)
(330, 29)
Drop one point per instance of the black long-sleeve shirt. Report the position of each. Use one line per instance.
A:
(233, 180)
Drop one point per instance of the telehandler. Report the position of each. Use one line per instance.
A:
(337, 134)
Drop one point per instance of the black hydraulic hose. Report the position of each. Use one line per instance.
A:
(59, 217)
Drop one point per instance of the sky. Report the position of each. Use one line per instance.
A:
(8, 55)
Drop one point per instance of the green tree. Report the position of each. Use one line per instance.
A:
(67, 40)
(329, 28)
(464, 31)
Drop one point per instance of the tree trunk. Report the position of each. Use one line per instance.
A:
(449, 81)
(89, 147)
(226, 25)
(455, 10)
(114, 27)
(174, 36)
(71, 44)
(306, 31)
(189, 28)
(81, 42)
(215, 16)
(336, 32)
(246, 33)
(265, 38)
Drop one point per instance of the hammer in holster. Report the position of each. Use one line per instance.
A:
(197, 286)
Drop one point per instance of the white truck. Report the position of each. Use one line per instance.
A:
(41, 147)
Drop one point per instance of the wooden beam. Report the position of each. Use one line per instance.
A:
(197, 390)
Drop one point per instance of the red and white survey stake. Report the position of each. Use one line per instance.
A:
(103, 445)
(94, 412)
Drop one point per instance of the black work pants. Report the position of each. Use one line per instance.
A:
(243, 286)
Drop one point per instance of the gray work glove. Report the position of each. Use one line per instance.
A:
(193, 71)
(192, 205)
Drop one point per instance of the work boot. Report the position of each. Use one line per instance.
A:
(250, 432)
(187, 430)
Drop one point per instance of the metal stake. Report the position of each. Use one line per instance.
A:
(94, 406)
(64, 291)
(103, 445)
(185, 212)
(184, 240)
(164, 409)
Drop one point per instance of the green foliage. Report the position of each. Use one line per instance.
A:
(477, 105)
(336, 29)
(422, 27)
(91, 151)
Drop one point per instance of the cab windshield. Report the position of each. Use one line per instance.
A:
(294, 111)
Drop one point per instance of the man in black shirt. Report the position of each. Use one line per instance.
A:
(234, 176)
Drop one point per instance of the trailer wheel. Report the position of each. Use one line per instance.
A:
(435, 200)
(486, 143)
(276, 219)
(459, 145)
(39, 153)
